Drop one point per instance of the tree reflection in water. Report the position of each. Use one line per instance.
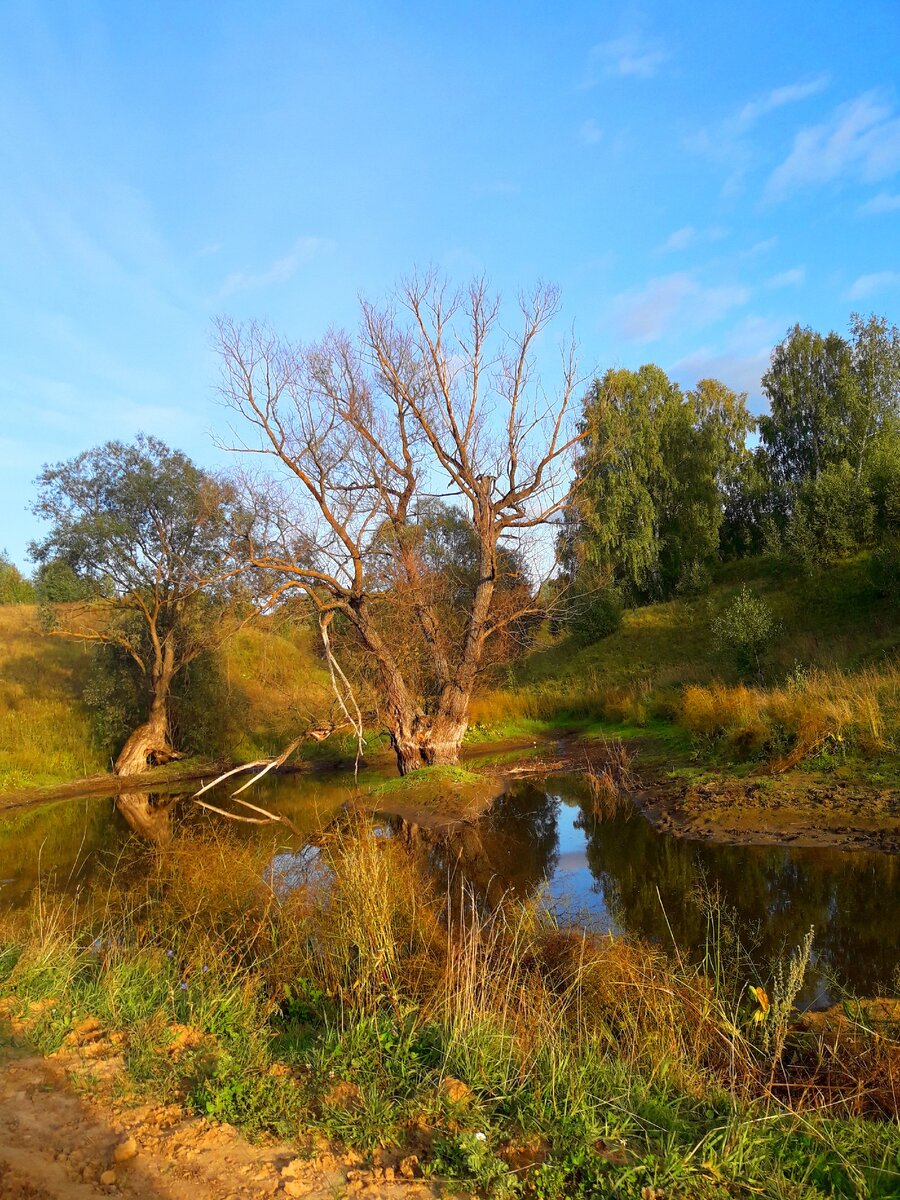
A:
(660, 887)
(512, 850)
(148, 814)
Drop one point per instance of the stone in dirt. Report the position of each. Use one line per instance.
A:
(125, 1150)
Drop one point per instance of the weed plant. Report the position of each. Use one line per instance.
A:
(366, 1003)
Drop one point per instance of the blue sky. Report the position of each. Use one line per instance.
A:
(695, 178)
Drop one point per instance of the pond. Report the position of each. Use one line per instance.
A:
(617, 874)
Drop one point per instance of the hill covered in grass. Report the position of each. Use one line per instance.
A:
(829, 687)
(829, 683)
(270, 681)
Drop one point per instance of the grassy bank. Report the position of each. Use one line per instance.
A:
(272, 685)
(830, 691)
(495, 1049)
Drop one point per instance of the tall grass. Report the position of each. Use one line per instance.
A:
(366, 1002)
(45, 732)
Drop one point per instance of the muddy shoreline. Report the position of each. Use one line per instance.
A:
(799, 808)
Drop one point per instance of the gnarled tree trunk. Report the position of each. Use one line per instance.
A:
(149, 745)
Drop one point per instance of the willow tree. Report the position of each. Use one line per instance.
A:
(432, 397)
(151, 532)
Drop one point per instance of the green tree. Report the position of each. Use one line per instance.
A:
(151, 530)
(831, 442)
(874, 403)
(14, 587)
(744, 630)
(654, 471)
(810, 389)
(55, 582)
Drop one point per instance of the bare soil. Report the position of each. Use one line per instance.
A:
(69, 1130)
(798, 809)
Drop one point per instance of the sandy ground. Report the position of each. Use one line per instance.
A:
(69, 1132)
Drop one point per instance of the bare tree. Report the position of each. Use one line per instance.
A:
(432, 398)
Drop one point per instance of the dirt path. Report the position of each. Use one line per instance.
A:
(67, 1132)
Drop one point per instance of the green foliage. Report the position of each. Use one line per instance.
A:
(833, 517)
(14, 587)
(152, 534)
(594, 612)
(469, 1156)
(885, 569)
(199, 722)
(55, 582)
(654, 468)
(745, 629)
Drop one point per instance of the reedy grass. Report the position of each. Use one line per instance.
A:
(368, 1002)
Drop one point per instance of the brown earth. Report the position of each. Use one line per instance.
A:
(69, 1130)
(799, 809)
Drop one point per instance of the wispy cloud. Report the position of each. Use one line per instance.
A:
(688, 237)
(632, 55)
(729, 141)
(792, 278)
(868, 285)
(590, 132)
(674, 302)
(860, 141)
(778, 97)
(279, 271)
(884, 202)
(760, 247)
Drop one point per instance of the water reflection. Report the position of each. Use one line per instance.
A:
(541, 835)
(633, 879)
(149, 815)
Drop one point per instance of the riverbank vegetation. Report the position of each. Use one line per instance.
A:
(831, 692)
(344, 993)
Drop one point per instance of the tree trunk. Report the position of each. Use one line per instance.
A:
(428, 741)
(149, 745)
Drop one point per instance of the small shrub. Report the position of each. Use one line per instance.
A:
(594, 613)
(744, 630)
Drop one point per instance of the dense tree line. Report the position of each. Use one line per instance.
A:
(673, 481)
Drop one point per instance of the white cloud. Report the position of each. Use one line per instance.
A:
(590, 132)
(868, 285)
(674, 302)
(792, 278)
(762, 247)
(688, 236)
(861, 141)
(631, 55)
(779, 97)
(884, 202)
(303, 250)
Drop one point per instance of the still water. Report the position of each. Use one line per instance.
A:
(617, 874)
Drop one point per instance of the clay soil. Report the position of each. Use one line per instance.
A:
(69, 1130)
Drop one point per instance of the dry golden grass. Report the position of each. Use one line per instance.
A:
(841, 709)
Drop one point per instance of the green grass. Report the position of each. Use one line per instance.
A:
(830, 694)
(835, 628)
(274, 685)
(507, 1054)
